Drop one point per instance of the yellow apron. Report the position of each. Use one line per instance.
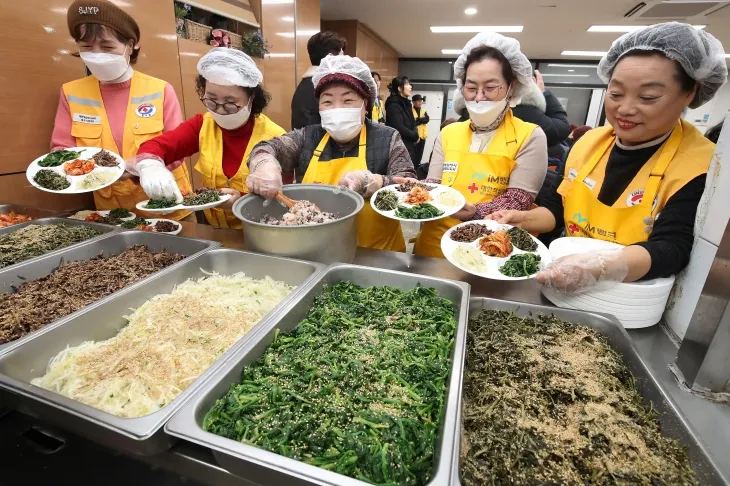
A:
(422, 129)
(683, 156)
(143, 121)
(210, 163)
(373, 230)
(480, 177)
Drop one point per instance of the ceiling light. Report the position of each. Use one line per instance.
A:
(584, 53)
(470, 11)
(280, 54)
(288, 19)
(571, 70)
(567, 75)
(276, 2)
(451, 51)
(626, 28)
(299, 33)
(579, 66)
(474, 29)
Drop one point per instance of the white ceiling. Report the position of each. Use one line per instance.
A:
(551, 26)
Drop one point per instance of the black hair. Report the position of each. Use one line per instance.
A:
(323, 43)
(686, 82)
(713, 134)
(486, 52)
(398, 82)
(92, 31)
(376, 74)
(261, 97)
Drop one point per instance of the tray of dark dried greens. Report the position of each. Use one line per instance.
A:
(561, 397)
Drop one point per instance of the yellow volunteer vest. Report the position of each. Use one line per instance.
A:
(376, 113)
(373, 230)
(422, 129)
(480, 177)
(210, 163)
(686, 154)
(143, 121)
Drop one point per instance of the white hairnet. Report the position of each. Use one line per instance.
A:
(229, 67)
(510, 49)
(351, 66)
(700, 54)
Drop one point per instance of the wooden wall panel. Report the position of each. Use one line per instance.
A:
(307, 21)
(280, 69)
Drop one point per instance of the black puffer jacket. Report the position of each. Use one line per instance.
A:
(545, 111)
(399, 115)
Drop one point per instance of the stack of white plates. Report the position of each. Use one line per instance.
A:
(636, 305)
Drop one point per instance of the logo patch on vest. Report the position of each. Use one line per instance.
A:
(635, 198)
(145, 110)
(451, 166)
(572, 174)
(590, 183)
(86, 119)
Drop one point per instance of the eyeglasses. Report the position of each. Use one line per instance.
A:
(229, 108)
(487, 91)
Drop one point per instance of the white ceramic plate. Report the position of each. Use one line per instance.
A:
(85, 153)
(448, 246)
(176, 232)
(106, 213)
(437, 190)
(224, 198)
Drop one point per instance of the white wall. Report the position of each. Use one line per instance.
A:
(713, 112)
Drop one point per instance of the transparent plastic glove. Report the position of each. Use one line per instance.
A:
(362, 182)
(578, 273)
(235, 196)
(156, 181)
(265, 180)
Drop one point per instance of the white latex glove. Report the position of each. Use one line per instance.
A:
(265, 179)
(157, 181)
(362, 182)
(578, 273)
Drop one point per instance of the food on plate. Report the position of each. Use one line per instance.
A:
(302, 213)
(35, 240)
(58, 157)
(448, 198)
(497, 244)
(93, 217)
(82, 215)
(418, 195)
(470, 258)
(522, 265)
(48, 179)
(386, 200)
(201, 197)
(133, 223)
(408, 186)
(169, 342)
(358, 387)
(120, 213)
(105, 159)
(11, 218)
(73, 286)
(521, 239)
(79, 167)
(110, 220)
(420, 211)
(97, 179)
(166, 226)
(160, 204)
(549, 402)
(469, 232)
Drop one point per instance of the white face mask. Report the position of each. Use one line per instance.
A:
(343, 124)
(106, 67)
(484, 113)
(236, 120)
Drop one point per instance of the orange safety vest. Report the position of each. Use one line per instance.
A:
(210, 163)
(685, 155)
(143, 121)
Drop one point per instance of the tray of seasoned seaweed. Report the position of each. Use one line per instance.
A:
(558, 396)
(353, 383)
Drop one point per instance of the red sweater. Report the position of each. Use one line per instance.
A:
(184, 141)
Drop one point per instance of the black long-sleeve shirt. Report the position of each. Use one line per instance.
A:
(670, 242)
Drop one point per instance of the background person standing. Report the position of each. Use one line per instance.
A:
(399, 113)
(422, 119)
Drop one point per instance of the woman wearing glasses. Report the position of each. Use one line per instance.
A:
(229, 85)
(495, 160)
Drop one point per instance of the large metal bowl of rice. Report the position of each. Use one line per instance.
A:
(330, 242)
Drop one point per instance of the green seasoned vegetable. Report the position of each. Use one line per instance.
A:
(54, 159)
(521, 239)
(357, 388)
(160, 204)
(35, 240)
(548, 402)
(133, 223)
(120, 213)
(386, 200)
(202, 196)
(48, 179)
(419, 211)
(521, 265)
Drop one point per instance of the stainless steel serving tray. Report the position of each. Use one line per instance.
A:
(263, 467)
(673, 423)
(143, 435)
(115, 244)
(34, 213)
(103, 229)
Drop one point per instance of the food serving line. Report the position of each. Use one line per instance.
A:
(705, 428)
